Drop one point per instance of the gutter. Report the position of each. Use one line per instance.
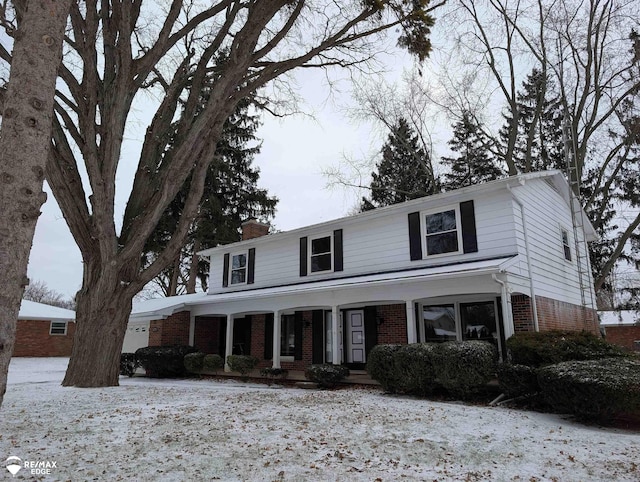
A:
(534, 306)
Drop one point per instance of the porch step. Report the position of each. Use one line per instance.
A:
(306, 385)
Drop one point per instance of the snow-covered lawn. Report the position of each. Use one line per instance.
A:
(192, 430)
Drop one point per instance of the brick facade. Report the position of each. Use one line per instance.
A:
(173, 330)
(33, 339)
(393, 328)
(624, 335)
(552, 315)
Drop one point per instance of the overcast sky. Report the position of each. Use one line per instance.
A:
(295, 151)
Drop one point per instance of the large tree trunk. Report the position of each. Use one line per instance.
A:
(102, 313)
(24, 145)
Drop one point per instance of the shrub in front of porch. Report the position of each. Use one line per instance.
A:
(326, 375)
(212, 363)
(463, 368)
(414, 368)
(128, 364)
(193, 362)
(593, 389)
(381, 366)
(242, 364)
(164, 361)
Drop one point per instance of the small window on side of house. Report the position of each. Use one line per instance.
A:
(58, 328)
(565, 245)
(238, 271)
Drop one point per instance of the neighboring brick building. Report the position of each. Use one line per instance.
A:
(44, 330)
(622, 328)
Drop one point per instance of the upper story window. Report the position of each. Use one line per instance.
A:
(441, 232)
(565, 244)
(238, 272)
(58, 328)
(321, 254)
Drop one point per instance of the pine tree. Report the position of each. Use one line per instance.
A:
(539, 144)
(231, 196)
(404, 172)
(475, 163)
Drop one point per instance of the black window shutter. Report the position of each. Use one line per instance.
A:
(303, 256)
(247, 335)
(317, 337)
(370, 328)
(268, 336)
(418, 320)
(337, 250)
(298, 327)
(468, 221)
(251, 265)
(225, 271)
(415, 238)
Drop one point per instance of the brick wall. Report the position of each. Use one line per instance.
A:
(173, 330)
(624, 335)
(207, 334)
(552, 315)
(394, 324)
(33, 339)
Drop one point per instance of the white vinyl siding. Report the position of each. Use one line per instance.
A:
(379, 243)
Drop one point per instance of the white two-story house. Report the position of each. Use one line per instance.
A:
(461, 265)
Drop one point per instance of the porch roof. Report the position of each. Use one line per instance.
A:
(160, 308)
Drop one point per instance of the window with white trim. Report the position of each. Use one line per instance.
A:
(475, 320)
(441, 232)
(58, 328)
(321, 254)
(238, 268)
(288, 335)
(565, 244)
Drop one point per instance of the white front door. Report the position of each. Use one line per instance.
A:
(355, 337)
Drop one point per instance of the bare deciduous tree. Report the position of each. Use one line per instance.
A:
(115, 51)
(27, 112)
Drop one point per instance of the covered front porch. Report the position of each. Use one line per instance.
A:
(339, 321)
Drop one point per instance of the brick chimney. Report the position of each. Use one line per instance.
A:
(252, 228)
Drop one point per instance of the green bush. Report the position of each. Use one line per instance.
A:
(592, 389)
(536, 349)
(272, 373)
(242, 364)
(517, 380)
(464, 367)
(193, 362)
(381, 366)
(128, 364)
(413, 368)
(326, 375)
(164, 361)
(212, 363)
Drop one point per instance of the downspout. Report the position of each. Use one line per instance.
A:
(534, 306)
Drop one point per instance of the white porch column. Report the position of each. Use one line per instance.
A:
(277, 329)
(229, 344)
(192, 330)
(335, 349)
(411, 322)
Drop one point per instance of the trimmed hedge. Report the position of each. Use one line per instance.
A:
(464, 367)
(212, 363)
(381, 366)
(461, 367)
(536, 349)
(517, 380)
(593, 389)
(164, 361)
(128, 364)
(326, 375)
(242, 364)
(193, 362)
(272, 373)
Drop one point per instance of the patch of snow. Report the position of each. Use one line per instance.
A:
(176, 430)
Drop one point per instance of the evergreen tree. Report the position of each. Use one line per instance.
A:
(404, 172)
(539, 144)
(231, 196)
(475, 163)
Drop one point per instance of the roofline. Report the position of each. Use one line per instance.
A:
(383, 211)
